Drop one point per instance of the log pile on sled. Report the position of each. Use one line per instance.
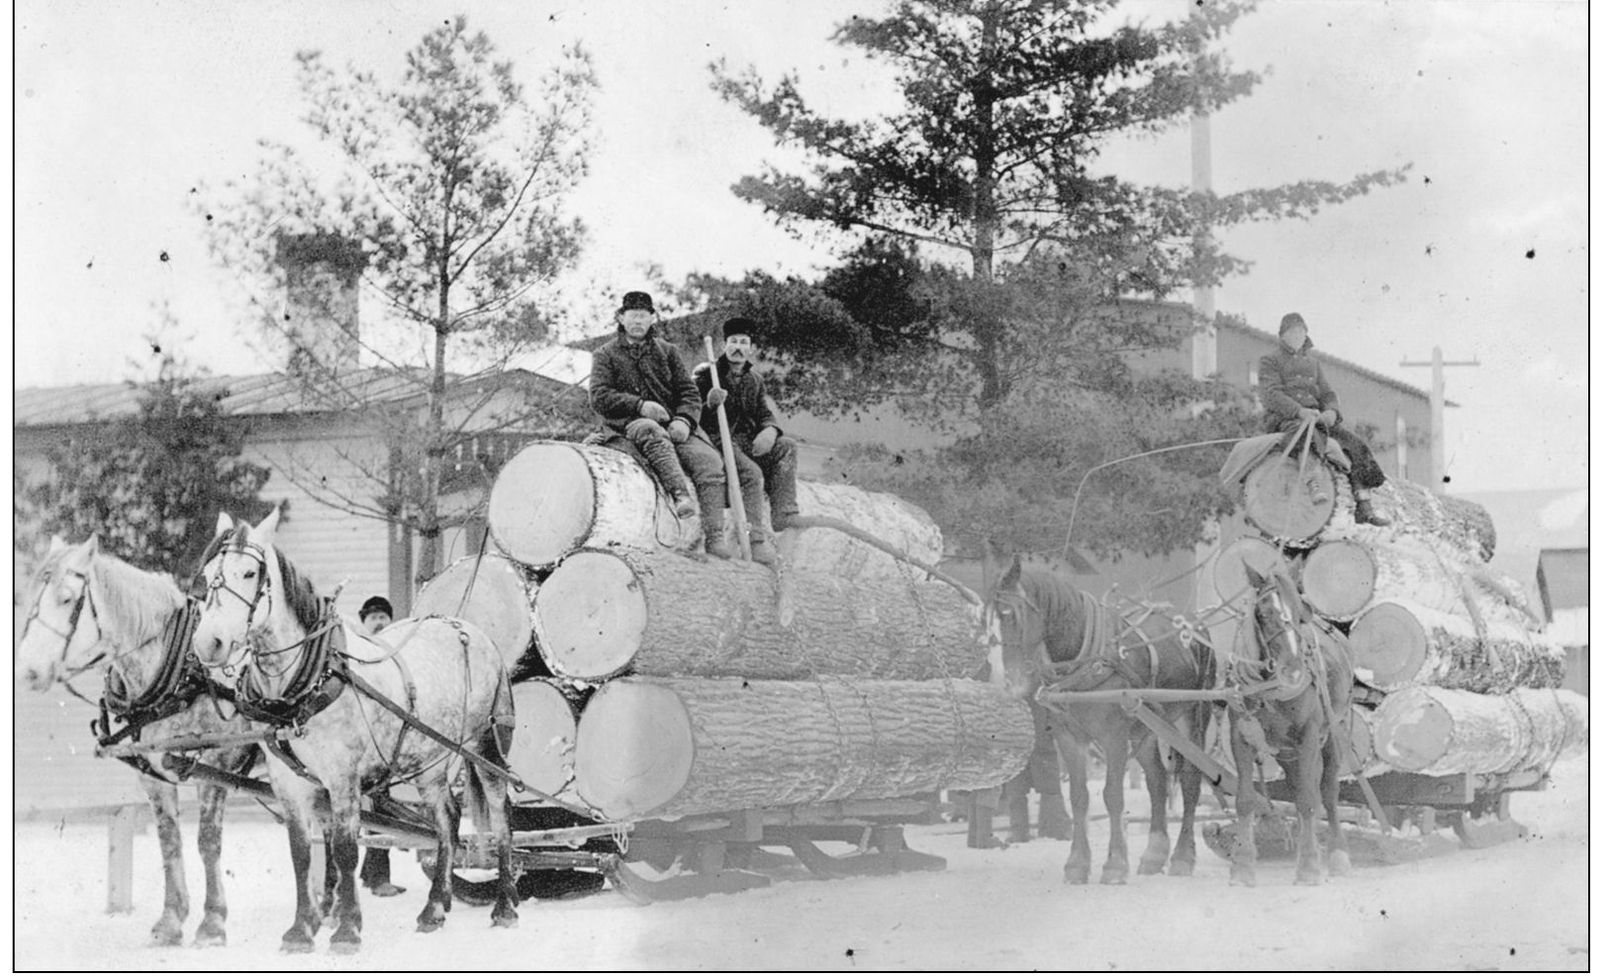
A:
(654, 682)
(1454, 674)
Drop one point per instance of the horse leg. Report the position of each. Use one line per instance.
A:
(1306, 774)
(1073, 753)
(1243, 854)
(438, 798)
(1155, 856)
(164, 797)
(345, 803)
(1015, 795)
(489, 796)
(1116, 749)
(1183, 862)
(1044, 773)
(209, 840)
(1340, 859)
(299, 824)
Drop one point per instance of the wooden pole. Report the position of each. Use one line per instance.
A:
(734, 489)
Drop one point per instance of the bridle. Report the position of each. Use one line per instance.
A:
(1256, 670)
(217, 584)
(86, 600)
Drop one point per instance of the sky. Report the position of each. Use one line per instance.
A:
(121, 109)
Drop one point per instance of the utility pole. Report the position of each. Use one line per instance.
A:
(1438, 458)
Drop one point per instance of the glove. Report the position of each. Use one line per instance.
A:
(765, 441)
(715, 398)
(1306, 414)
(643, 428)
(654, 411)
(679, 430)
(1327, 418)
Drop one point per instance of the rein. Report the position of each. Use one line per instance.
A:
(86, 599)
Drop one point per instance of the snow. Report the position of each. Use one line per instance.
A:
(1518, 906)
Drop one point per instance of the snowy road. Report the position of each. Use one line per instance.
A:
(1520, 906)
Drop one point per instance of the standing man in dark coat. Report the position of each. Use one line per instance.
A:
(641, 387)
(759, 446)
(1294, 391)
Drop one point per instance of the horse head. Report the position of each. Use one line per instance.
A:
(1279, 611)
(58, 639)
(243, 586)
(1017, 663)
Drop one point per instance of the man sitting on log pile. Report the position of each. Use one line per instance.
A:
(642, 389)
(762, 451)
(1294, 392)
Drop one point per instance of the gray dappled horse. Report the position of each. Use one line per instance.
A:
(299, 661)
(90, 611)
(1053, 633)
(1296, 677)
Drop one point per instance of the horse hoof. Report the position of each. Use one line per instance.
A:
(1178, 868)
(298, 946)
(166, 938)
(429, 923)
(387, 890)
(1150, 868)
(210, 939)
(1075, 877)
(506, 920)
(345, 947)
(1340, 864)
(1113, 877)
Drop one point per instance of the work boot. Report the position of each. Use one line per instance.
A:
(1365, 513)
(681, 503)
(760, 547)
(715, 539)
(661, 456)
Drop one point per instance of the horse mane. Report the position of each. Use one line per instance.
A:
(1050, 582)
(300, 597)
(131, 602)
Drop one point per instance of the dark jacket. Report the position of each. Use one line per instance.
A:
(747, 410)
(624, 374)
(1289, 382)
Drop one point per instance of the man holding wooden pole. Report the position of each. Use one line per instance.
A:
(761, 453)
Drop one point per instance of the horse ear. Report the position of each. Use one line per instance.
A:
(94, 546)
(1253, 577)
(1013, 573)
(57, 544)
(270, 523)
(226, 524)
(991, 561)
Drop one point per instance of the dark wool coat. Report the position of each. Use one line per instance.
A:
(624, 374)
(747, 410)
(1289, 382)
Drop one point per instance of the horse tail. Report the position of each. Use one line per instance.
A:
(494, 746)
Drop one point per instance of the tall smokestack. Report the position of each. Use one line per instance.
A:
(321, 298)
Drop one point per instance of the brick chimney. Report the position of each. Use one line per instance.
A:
(321, 298)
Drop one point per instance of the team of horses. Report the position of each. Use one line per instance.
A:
(261, 651)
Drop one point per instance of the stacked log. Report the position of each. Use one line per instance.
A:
(493, 592)
(675, 684)
(1469, 679)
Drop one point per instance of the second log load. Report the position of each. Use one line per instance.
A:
(661, 613)
(666, 748)
(1445, 731)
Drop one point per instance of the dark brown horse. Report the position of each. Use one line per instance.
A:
(1053, 634)
(1295, 674)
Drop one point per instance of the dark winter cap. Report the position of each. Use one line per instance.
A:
(374, 604)
(637, 300)
(739, 326)
(1291, 321)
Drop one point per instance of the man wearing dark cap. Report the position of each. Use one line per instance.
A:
(375, 874)
(758, 443)
(1294, 392)
(375, 614)
(642, 389)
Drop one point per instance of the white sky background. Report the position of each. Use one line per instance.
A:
(121, 108)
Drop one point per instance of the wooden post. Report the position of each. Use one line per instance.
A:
(734, 489)
(120, 858)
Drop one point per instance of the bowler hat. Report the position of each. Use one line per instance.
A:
(637, 300)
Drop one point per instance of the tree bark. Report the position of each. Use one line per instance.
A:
(1416, 511)
(492, 592)
(554, 498)
(1432, 572)
(665, 614)
(667, 748)
(1442, 731)
(1400, 644)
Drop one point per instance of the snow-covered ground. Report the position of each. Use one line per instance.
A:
(1519, 906)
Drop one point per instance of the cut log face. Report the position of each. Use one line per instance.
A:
(556, 497)
(543, 749)
(1338, 578)
(1400, 643)
(1444, 731)
(1229, 570)
(664, 614)
(668, 748)
(489, 591)
(1289, 502)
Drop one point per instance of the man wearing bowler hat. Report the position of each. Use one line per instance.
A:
(1294, 392)
(758, 443)
(642, 389)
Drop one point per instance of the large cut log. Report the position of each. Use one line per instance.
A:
(1358, 755)
(665, 614)
(1338, 578)
(1401, 643)
(1432, 572)
(1229, 570)
(492, 592)
(554, 498)
(1444, 731)
(542, 750)
(667, 748)
(1292, 502)
(1415, 511)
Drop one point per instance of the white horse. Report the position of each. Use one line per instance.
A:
(90, 611)
(301, 664)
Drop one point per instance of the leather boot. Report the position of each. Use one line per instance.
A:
(661, 456)
(1365, 513)
(715, 537)
(760, 546)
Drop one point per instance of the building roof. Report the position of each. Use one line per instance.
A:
(1375, 376)
(270, 394)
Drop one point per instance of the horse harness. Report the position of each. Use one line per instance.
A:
(1108, 627)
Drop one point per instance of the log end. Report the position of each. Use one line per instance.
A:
(489, 591)
(543, 749)
(590, 616)
(634, 749)
(542, 504)
(1412, 731)
(1390, 646)
(1229, 570)
(1338, 578)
